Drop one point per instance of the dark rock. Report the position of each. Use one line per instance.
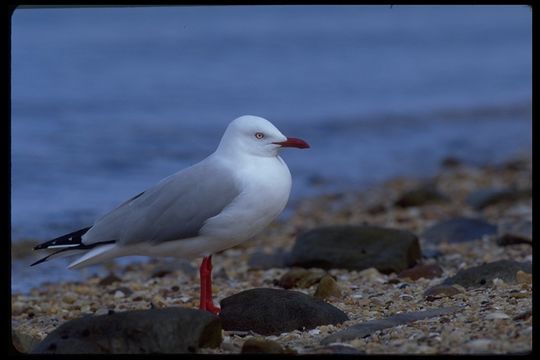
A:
(356, 248)
(170, 330)
(440, 291)
(486, 197)
(327, 288)
(263, 261)
(369, 327)
(483, 275)
(512, 233)
(426, 194)
(274, 311)
(300, 277)
(262, 345)
(427, 271)
(457, 230)
(109, 279)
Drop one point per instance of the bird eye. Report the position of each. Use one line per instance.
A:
(259, 135)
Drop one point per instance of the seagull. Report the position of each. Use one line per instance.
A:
(208, 207)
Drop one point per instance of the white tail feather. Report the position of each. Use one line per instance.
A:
(95, 256)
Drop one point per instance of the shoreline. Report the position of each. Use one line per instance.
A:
(403, 203)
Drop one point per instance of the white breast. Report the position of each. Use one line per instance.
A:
(266, 185)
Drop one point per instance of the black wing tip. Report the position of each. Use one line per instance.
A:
(70, 238)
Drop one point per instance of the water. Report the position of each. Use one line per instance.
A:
(107, 101)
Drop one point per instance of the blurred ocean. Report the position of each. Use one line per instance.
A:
(108, 101)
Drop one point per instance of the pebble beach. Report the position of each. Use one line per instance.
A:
(465, 217)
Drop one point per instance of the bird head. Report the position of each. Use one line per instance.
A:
(256, 136)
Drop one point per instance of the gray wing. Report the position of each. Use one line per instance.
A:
(175, 208)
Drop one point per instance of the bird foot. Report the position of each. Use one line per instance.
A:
(210, 307)
(213, 309)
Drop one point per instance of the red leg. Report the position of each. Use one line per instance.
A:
(203, 278)
(209, 301)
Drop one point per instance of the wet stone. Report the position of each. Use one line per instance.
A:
(170, 330)
(356, 248)
(268, 311)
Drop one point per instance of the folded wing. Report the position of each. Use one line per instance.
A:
(175, 208)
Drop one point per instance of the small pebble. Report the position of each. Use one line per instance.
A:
(69, 298)
(102, 311)
(497, 316)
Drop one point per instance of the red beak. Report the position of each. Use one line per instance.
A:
(293, 142)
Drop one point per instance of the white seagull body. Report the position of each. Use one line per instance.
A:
(213, 205)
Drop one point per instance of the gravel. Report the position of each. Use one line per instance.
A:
(496, 318)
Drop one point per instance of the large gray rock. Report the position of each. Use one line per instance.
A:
(483, 275)
(356, 248)
(170, 330)
(367, 328)
(457, 230)
(273, 311)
